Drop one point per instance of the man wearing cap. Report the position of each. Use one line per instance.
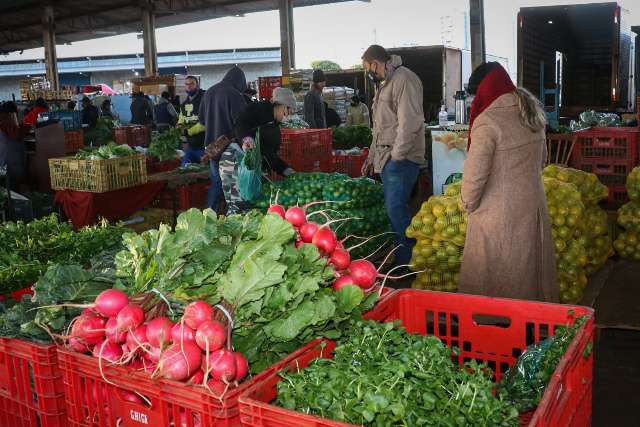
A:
(314, 111)
(265, 116)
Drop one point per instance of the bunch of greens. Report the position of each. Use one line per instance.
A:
(27, 248)
(383, 376)
(108, 151)
(164, 145)
(294, 122)
(525, 383)
(278, 295)
(101, 133)
(347, 137)
(60, 284)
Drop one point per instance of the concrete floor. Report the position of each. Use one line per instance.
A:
(615, 294)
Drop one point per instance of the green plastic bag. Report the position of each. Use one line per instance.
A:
(250, 173)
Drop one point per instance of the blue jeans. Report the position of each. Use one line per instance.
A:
(398, 179)
(192, 155)
(215, 189)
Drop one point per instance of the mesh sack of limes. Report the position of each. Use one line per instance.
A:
(359, 202)
(579, 229)
(627, 243)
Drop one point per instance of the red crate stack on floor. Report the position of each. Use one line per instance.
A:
(307, 150)
(349, 164)
(132, 135)
(458, 320)
(610, 153)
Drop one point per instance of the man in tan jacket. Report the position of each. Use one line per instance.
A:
(397, 150)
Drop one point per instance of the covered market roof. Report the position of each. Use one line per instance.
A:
(76, 20)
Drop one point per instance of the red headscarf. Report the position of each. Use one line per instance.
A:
(494, 85)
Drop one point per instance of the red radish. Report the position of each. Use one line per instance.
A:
(222, 365)
(325, 240)
(153, 354)
(211, 333)
(77, 345)
(107, 351)
(216, 386)
(129, 396)
(89, 329)
(196, 313)
(180, 361)
(276, 209)
(307, 230)
(340, 258)
(242, 366)
(296, 216)
(149, 367)
(136, 338)
(363, 272)
(197, 378)
(181, 333)
(111, 331)
(342, 282)
(339, 245)
(159, 332)
(110, 302)
(130, 317)
(88, 312)
(136, 364)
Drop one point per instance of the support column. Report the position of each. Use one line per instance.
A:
(476, 23)
(149, 39)
(287, 42)
(49, 42)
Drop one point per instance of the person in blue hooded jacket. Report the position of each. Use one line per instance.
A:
(222, 103)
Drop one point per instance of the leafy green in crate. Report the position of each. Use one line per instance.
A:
(164, 145)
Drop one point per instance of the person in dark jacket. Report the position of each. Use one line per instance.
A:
(314, 112)
(188, 119)
(107, 112)
(89, 113)
(222, 103)
(164, 113)
(333, 118)
(141, 112)
(250, 95)
(266, 117)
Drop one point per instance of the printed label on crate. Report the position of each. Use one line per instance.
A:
(138, 417)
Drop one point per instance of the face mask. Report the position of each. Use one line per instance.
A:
(192, 92)
(373, 76)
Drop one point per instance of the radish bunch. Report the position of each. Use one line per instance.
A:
(361, 272)
(196, 349)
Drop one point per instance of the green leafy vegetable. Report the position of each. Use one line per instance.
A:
(164, 145)
(346, 137)
(382, 376)
(108, 151)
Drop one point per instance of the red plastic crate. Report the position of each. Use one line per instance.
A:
(154, 166)
(31, 389)
(350, 164)
(132, 135)
(266, 85)
(73, 140)
(307, 150)
(606, 145)
(17, 295)
(457, 320)
(186, 196)
(169, 399)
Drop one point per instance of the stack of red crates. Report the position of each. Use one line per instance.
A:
(266, 85)
(349, 164)
(187, 196)
(307, 150)
(31, 389)
(610, 153)
(132, 135)
(73, 140)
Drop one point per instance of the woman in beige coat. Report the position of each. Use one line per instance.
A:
(509, 250)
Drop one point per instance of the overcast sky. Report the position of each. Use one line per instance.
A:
(339, 32)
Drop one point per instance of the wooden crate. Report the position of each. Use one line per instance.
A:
(97, 176)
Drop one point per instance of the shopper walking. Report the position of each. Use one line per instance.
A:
(357, 113)
(266, 117)
(222, 103)
(106, 111)
(314, 111)
(164, 113)
(509, 250)
(188, 119)
(398, 146)
(141, 112)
